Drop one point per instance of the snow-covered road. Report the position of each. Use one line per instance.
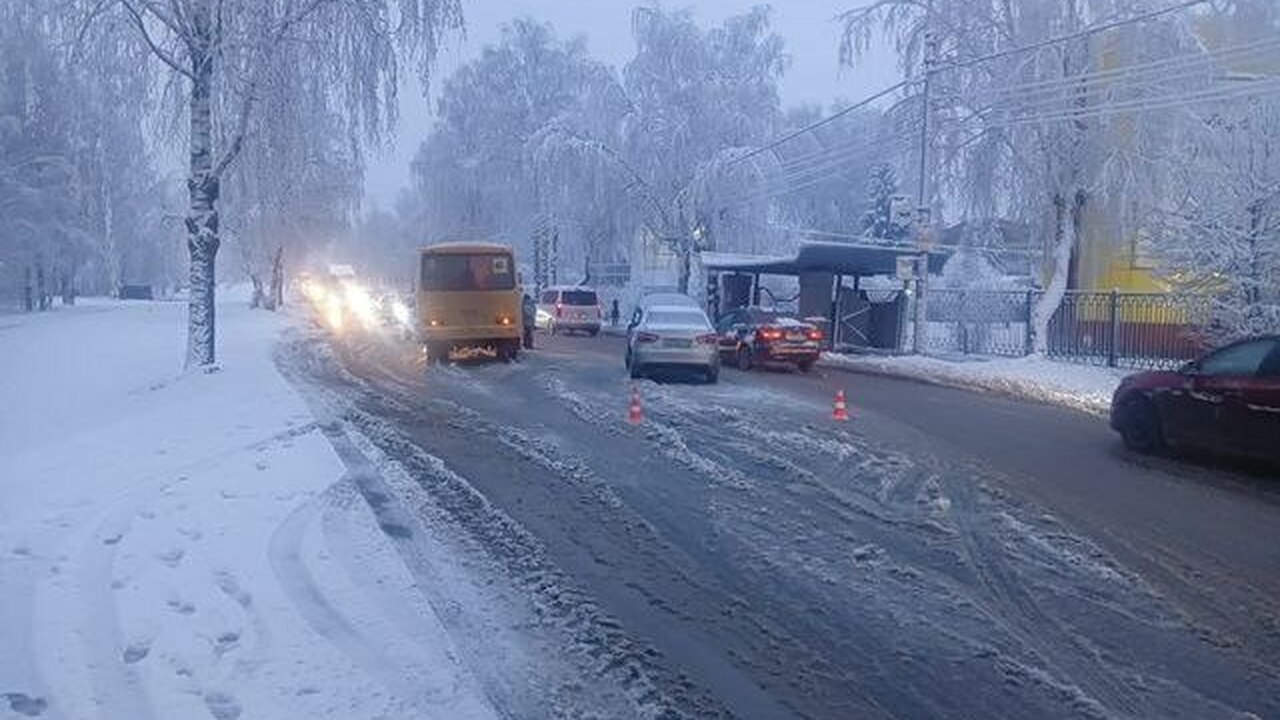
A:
(741, 555)
(190, 545)
(330, 529)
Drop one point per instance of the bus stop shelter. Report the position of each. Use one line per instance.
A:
(830, 278)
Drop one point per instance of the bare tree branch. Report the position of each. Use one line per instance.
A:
(140, 23)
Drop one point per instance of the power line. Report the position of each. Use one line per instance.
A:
(820, 123)
(808, 180)
(862, 151)
(1091, 30)
(1162, 102)
(957, 64)
(1165, 69)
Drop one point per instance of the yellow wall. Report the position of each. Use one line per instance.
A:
(1106, 259)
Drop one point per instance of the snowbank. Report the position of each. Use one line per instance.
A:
(1083, 387)
(180, 545)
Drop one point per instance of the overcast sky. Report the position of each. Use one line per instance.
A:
(808, 26)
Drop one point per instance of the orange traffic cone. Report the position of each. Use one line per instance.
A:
(841, 412)
(635, 413)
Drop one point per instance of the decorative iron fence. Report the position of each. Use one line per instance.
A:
(1147, 330)
(1155, 330)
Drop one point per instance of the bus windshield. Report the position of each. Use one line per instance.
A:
(480, 271)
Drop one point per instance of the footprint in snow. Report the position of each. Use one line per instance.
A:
(182, 607)
(230, 587)
(222, 706)
(24, 704)
(136, 651)
(171, 557)
(226, 642)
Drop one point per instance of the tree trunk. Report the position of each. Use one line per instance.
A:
(1065, 236)
(202, 190)
(42, 292)
(68, 288)
(275, 295)
(28, 295)
(259, 298)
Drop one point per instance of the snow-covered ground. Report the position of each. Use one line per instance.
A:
(1084, 387)
(183, 545)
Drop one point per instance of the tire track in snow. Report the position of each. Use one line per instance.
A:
(291, 571)
(597, 641)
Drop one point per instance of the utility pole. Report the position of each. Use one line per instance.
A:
(920, 340)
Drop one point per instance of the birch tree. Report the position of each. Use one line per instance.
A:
(1045, 154)
(219, 52)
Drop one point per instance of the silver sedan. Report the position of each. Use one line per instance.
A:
(670, 338)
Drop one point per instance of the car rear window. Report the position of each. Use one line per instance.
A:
(678, 318)
(579, 298)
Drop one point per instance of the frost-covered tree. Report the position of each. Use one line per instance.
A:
(1018, 90)
(474, 174)
(695, 100)
(220, 54)
(879, 221)
(1217, 231)
(292, 191)
(76, 179)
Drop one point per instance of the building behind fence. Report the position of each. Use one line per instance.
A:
(1148, 330)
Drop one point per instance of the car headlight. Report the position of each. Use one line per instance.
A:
(400, 312)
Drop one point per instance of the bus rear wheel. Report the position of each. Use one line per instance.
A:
(437, 352)
(508, 350)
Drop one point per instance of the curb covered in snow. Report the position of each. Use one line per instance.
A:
(1079, 387)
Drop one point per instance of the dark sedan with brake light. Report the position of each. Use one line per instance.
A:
(1227, 402)
(754, 336)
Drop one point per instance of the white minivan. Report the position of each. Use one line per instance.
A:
(570, 309)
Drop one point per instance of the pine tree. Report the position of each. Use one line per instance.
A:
(878, 221)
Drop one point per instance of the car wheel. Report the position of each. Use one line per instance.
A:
(1140, 426)
(744, 358)
(713, 376)
(805, 365)
(437, 353)
(637, 371)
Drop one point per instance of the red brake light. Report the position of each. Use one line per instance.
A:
(645, 337)
(815, 334)
(559, 309)
(709, 339)
(770, 333)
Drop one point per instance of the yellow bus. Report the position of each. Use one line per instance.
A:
(468, 297)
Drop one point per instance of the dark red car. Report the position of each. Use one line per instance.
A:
(1227, 402)
(753, 336)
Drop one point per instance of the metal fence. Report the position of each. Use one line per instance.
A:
(1155, 330)
(1148, 330)
(980, 322)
